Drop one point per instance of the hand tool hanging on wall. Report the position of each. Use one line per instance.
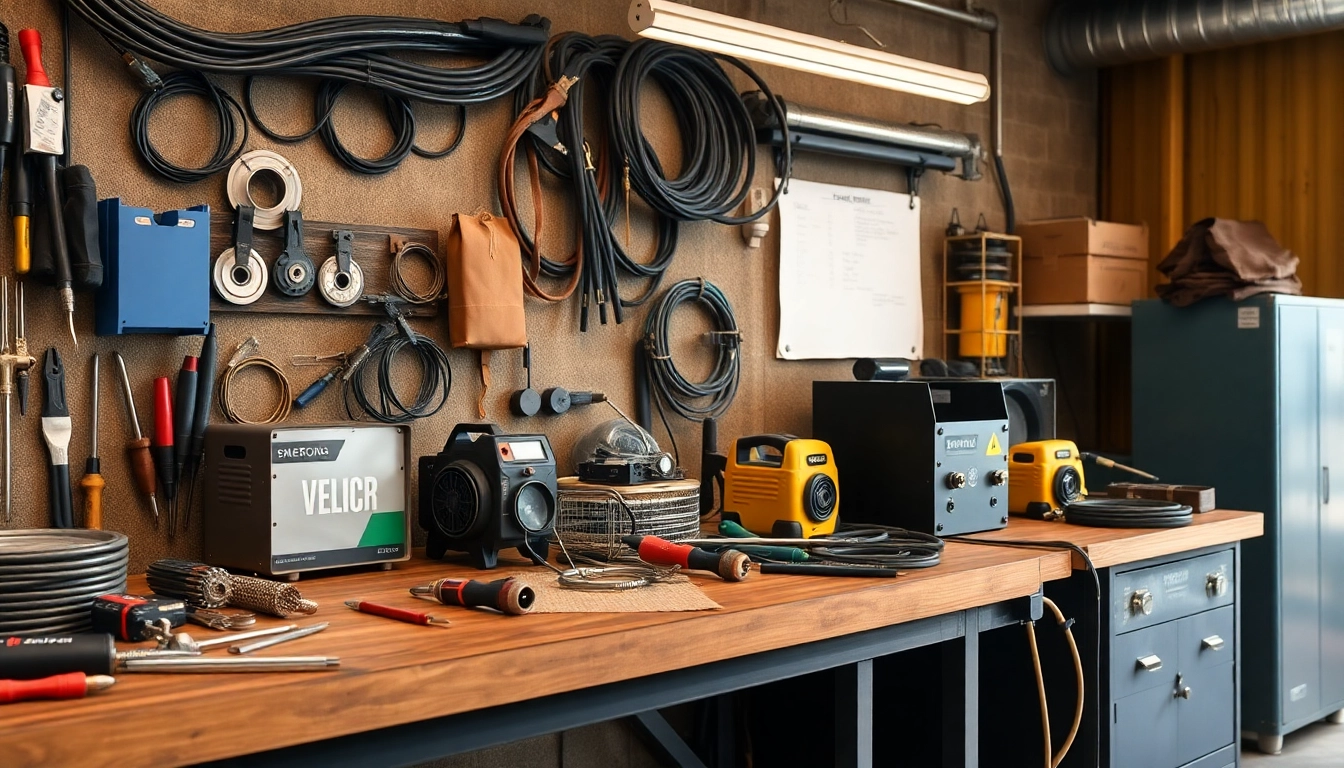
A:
(9, 124)
(72, 685)
(205, 391)
(162, 447)
(14, 360)
(92, 482)
(10, 128)
(56, 429)
(183, 414)
(137, 448)
(44, 139)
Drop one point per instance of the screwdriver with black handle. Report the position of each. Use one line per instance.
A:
(92, 482)
(205, 390)
(56, 431)
(44, 139)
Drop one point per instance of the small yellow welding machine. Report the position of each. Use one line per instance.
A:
(1043, 477)
(782, 486)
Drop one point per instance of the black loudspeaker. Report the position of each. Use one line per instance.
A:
(1031, 409)
(488, 491)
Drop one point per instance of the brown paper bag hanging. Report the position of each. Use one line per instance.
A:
(485, 289)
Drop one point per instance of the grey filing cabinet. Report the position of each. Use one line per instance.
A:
(1249, 397)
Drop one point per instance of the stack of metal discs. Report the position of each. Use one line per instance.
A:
(49, 578)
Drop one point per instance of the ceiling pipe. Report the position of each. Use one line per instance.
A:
(1084, 35)
(980, 19)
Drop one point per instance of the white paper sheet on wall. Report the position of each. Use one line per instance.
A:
(849, 282)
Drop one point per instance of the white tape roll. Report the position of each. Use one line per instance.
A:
(240, 179)
(237, 284)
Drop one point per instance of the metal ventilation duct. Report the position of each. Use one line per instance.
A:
(1102, 33)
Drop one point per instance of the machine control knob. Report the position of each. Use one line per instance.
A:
(1216, 584)
(1141, 602)
(998, 477)
(956, 480)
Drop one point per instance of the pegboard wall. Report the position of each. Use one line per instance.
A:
(1051, 160)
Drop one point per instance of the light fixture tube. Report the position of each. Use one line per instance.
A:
(717, 33)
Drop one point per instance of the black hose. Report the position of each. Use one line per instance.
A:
(1128, 513)
(1009, 214)
(693, 400)
(718, 137)
(230, 125)
(883, 546)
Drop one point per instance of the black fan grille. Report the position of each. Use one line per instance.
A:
(456, 502)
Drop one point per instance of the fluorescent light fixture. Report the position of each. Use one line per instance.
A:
(715, 32)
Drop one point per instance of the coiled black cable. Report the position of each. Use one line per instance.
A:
(400, 117)
(353, 49)
(1128, 513)
(230, 125)
(370, 384)
(693, 400)
(882, 546)
(718, 138)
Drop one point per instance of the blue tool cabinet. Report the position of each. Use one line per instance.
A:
(156, 270)
(1249, 397)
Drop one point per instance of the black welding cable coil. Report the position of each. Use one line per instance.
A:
(355, 49)
(718, 138)
(1128, 513)
(693, 400)
(230, 126)
(884, 546)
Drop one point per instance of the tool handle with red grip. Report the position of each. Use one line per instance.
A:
(505, 595)
(730, 564)
(71, 685)
(389, 612)
(30, 41)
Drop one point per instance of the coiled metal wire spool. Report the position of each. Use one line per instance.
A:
(591, 519)
(49, 578)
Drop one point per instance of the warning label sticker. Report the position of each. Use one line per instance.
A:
(993, 449)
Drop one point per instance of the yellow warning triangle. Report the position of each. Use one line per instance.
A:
(994, 448)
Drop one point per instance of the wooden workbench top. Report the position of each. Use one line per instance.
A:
(1117, 546)
(393, 673)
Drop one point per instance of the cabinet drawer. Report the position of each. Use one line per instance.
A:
(1143, 732)
(1148, 596)
(1208, 639)
(1145, 659)
(1206, 720)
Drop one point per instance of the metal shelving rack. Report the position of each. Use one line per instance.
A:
(1012, 287)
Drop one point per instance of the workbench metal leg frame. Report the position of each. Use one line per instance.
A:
(423, 741)
(854, 715)
(663, 742)
(961, 696)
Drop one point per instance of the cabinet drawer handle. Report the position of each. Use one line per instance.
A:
(1212, 642)
(1148, 663)
(1182, 690)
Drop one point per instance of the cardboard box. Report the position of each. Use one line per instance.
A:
(1081, 261)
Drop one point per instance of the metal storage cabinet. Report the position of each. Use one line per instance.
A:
(1249, 397)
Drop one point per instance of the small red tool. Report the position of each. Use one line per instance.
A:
(400, 614)
(162, 448)
(72, 685)
(729, 564)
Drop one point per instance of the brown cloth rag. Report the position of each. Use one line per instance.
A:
(1222, 257)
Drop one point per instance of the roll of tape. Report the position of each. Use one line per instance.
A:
(240, 180)
(340, 289)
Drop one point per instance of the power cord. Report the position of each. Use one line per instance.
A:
(1053, 759)
(1128, 513)
(371, 387)
(1096, 629)
(693, 400)
(277, 414)
(230, 126)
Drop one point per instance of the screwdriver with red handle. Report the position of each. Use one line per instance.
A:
(162, 447)
(729, 564)
(72, 685)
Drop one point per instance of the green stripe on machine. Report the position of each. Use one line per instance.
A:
(384, 529)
